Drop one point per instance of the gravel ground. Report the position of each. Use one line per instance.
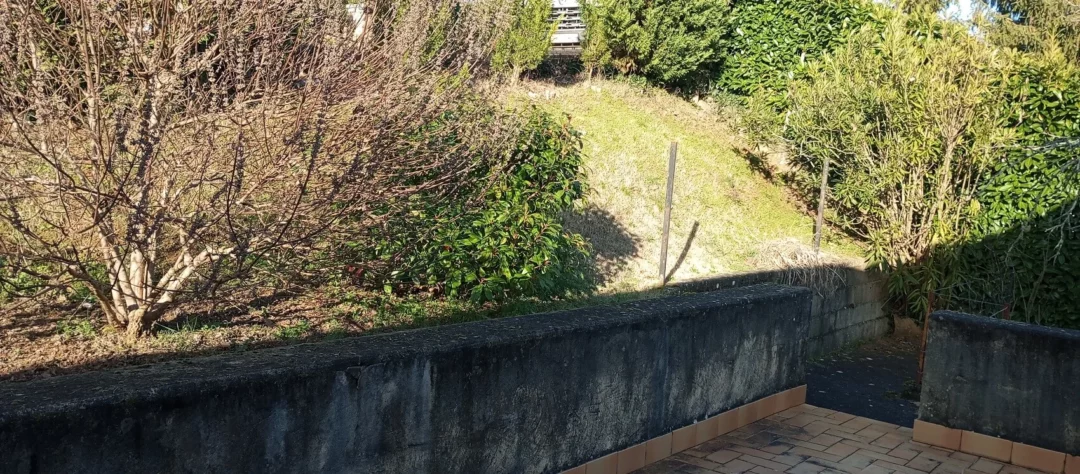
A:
(874, 380)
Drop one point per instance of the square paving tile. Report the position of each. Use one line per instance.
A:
(812, 440)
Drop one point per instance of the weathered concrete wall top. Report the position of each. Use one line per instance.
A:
(848, 304)
(1001, 378)
(531, 394)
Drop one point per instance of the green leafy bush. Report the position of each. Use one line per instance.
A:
(770, 42)
(958, 164)
(595, 52)
(1024, 249)
(527, 41)
(502, 236)
(1036, 25)
(909, 119)
(668, 41)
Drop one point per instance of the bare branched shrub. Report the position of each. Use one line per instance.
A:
(161, 150)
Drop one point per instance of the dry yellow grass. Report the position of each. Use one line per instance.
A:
(724, 214)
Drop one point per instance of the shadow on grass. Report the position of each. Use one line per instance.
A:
(759, 163)
(335, 313)
(276, 320)
(33, 324)
(255, 321)
(682, 255)
(564, 71)
(613, 246)
(221, 315)
(194, 334)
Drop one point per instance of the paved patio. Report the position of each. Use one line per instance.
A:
(812, 440)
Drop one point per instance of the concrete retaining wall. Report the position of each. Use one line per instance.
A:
(848, 310)
(531, 394)
(1011, 380)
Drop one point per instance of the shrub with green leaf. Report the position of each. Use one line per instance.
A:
(504, 238)
(910, 119)
(527, 41)
(770, 42)
(595, 52)
(1036, 25)
(668, 41)
(1024, 249)
(956, 161)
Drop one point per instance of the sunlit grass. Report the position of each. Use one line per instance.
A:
(738, 211)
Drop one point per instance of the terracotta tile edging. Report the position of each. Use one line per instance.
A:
(684, 438)
(997, 449)
(936, 435)
(1034, 457)
(606, 465)
(706, 430)
(1072, 464)
(631, 459)
(657, 449)
(728, 421)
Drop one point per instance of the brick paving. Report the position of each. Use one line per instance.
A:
(812, 440)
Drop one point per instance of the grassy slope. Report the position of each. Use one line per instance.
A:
(627, 132)
(626, 138)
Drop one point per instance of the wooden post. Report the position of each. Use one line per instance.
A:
(925, 331)
(821, 206)
(667, 211)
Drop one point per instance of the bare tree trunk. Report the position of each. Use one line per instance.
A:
(139, 322)
(515, 74)
(819, 226)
